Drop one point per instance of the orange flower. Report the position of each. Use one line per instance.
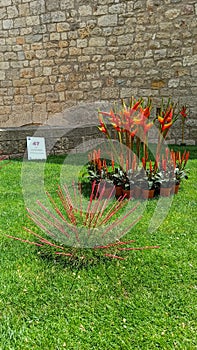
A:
(146, 112)
(166, 121)
(116, 123)
(147, 127)
(187, 156)
(136, 105)
(155, 166)
(134, 162)
(133, 133)
(166, 126)
(164, 164)
(102, 126)
(150, 166)
(169, 114)
(144, 162)
(142, 118)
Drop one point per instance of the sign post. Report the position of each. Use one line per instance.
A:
(36, 148)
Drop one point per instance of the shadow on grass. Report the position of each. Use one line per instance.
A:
(80, 259)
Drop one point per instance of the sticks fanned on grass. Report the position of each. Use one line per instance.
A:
(82, 227)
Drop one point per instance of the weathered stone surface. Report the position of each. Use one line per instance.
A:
(157, 84)
(55, 54)
(108, 20)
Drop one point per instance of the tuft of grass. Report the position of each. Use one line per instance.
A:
(147, 301)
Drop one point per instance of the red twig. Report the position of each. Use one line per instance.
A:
(141, 248)
(114, 256)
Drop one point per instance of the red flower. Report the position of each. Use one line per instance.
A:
(166, 121)
(116, 122)
(146, 112)
(164, 164)
(134, 163)
(136, 105)
(144, 162)
(183, 112)
(133, 133)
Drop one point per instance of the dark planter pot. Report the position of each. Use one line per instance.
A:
(165, 191)
(128, 193)
(137, 192)
(148, 194)
(175, 189)
(118, 191)
(106, 190)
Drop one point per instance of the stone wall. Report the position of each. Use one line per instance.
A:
(58, 140)
(56, 54)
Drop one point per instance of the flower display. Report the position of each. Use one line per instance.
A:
(132, 122)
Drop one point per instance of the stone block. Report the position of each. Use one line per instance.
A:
(5, 110)
(97, 41)
(58, 16)
(85, 10)
(21, 82)
(157, 84)
(108, 20)
(4, 65)
(4, 3)
(53, 107)
(110, 93)
(12, 11)
(40, 98)
(24, 9)
(172, 13)
(27, 73)
(63, 27)
(160, 54)
(7, 24)
(190, 60)
(37, 7)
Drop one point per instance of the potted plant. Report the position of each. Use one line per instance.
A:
(150, 177)
(179, 175)
(137, 178)
(118, 181)
(128, 187)
(143, 184)
(101, 181)
(165, 182)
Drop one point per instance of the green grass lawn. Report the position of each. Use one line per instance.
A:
(148, 301)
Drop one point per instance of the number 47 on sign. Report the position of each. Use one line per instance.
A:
(36, 148)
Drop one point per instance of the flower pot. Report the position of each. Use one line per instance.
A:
(147, 194)
(106, 190)
(137, 192)
(175, 189)
(128, 193)
(165, 191)
(118, 191)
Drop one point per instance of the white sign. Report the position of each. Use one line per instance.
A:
(36, 148)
